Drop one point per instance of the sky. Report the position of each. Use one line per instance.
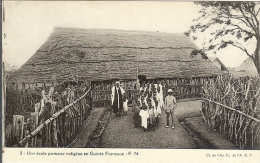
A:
(28, 24)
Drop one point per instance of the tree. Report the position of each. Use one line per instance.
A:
(229, 24)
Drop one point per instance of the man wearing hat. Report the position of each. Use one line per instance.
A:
(170, 104)
(116, 98)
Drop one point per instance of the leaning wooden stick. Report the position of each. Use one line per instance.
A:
(242, 113)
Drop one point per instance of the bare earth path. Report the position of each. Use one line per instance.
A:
(121, 133)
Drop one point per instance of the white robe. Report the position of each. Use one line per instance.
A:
(144, 116)
(113, 94)
(157, 111)
(150, 86)
(141, 88)
(125, 107)
(153, 103)
(160, 100)
(145, 102)
(145, 88)
(155, 85)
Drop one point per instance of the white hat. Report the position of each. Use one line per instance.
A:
(170, 90)
(118, 82)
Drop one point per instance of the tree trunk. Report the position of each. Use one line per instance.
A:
(257, 56)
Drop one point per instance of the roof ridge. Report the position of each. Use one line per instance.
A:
(57, 28)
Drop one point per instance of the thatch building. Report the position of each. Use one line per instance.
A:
(72, 54)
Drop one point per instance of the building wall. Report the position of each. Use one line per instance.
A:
(217, 64)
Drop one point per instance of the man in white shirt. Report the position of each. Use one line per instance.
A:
(170, 105)
(116, 98)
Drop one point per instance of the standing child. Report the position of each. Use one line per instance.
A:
(151, 119)
(136, 110)
(157, 113)
(170, 104)
(144, 116)
(125, 107)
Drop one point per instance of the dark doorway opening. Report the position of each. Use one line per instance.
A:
(142, 79)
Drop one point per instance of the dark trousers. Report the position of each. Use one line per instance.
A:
(157, 121)
(137, 119)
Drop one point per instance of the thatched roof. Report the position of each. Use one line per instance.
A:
(218, 63)
(107, 54)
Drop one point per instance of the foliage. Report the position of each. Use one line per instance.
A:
(229, 24)
(19, 102)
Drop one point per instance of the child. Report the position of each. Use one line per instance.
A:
(170, 104)
(151, 119)
(125, 107)
(136, 110)
(157, 113)
(144, 116)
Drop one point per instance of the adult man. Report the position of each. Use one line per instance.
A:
(170, 104)
(116, 98)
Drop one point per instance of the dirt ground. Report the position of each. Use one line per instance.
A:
(188, 109)
(88, 127)
(121, 133)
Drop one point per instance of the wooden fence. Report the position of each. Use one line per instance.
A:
(55, 124)
(103, 97)
(182, 89)
(59, 129)
(232, 107)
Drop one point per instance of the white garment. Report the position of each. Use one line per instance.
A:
(141, 89)
(145, 101)
(160, 100)
(157, 111)
(145, 89)
(150, 86)
(140, 101)
(153, 103)
(125, 107)
(113, 94)
(144, 116)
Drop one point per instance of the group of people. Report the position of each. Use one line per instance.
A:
(147, 105)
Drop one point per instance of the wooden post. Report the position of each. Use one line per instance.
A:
(33, 124)
(18, 122)
(8, 135)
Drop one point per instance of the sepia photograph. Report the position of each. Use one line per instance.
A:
(131, 75)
